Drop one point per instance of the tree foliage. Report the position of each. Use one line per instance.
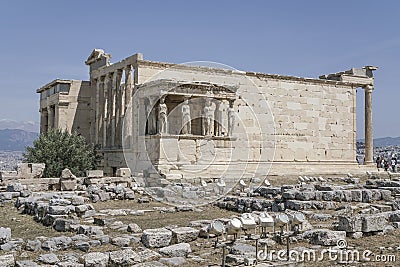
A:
(59, 150)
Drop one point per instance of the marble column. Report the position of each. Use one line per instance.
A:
(369, 146)
(106, 109)
(113, 107)
(218, 119)
(97, 115)
(101, 111)
(50, 122)
(43, 121)
(128, 135)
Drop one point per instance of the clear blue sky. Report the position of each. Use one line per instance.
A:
(44, 40)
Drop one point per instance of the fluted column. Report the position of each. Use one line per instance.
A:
(113, 107)
(50, 117)
(43, 121)
(369, 146)
(106, 109)
(97, 115)
(118, 109)
(128, 109)
(101, 111)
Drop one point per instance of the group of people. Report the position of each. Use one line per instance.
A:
(386, 163)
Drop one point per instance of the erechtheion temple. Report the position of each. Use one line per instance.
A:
(190, 121)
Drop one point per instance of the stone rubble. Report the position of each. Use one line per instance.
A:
(358, 210)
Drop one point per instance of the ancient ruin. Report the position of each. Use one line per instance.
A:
(173, 120)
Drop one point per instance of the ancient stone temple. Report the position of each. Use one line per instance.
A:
(206, 122)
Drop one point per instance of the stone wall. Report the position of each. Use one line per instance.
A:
(304, 122)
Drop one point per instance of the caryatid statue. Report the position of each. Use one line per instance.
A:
(162, 117)
(231, 118)
(186, 119)
(208, 117)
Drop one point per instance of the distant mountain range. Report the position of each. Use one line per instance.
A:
(16, 139)
(28, 126)
(385, 141)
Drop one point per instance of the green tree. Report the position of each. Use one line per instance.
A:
(59, 150)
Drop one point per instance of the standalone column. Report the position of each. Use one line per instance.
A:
(369, 146)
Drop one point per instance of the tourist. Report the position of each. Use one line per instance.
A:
(394, 163)
(386, 165)
(378, 162)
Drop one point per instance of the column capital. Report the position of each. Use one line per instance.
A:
(368, 88)
(128, 67)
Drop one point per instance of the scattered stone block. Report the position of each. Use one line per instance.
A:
(62, 242)
(67, 174)
(366, 196)
(356, 235)
(156, 238)
(134, 228)
(59, 202)
(175, 261)
(95, 259)
(30, 170)
(394, 216)
(350, 224)
(33, 245)
(177, 250)
(125, 257)
(7, 196)
(26, 263)
(305, 195)
(60, 210)
(77, 200)
(324, 237)
(69, 264)
(5, 235)
(150, 264)
(121, 241)
(94, 243)
(48, 258)
(94, 173)
(356, 195)
(82, 246)
(123, 172)
(148, 255)
(17, 187)
(184, 234)
(386, 195)
(7, 261)
(329, 195)
(68, 185)
(129, 194)
(49, 245)
(374, 222)
(243, 249)
(90, 230)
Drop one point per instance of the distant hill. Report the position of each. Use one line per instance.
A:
(16, 139)
(28, 126)
(385, 141)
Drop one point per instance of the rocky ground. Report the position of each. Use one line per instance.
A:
(118, 225)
